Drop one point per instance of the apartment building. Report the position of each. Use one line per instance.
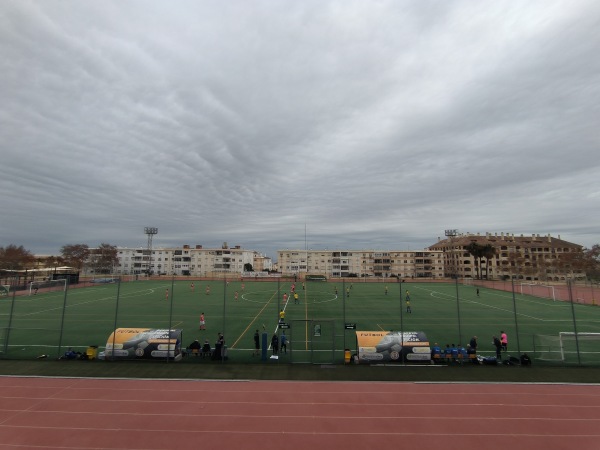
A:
(186, 260)
(361, 263)
(528, 257)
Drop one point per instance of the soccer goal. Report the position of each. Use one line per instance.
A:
(467, 281)
(568, 347)
(538, 290)
(4, 290)
(47, 286)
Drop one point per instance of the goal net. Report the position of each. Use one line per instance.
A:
(538, 290)
(568, 347)
(47, 286)
(4, 290)
(467, 281)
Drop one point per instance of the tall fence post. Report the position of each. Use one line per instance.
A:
(10, 317)
(62, 317)
(574, 321)
(515, 313)
(458, 308)
(172, 300)
(112, 353)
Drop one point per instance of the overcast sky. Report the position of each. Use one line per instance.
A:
(284, 124)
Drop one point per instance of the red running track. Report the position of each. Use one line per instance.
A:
(58, 413)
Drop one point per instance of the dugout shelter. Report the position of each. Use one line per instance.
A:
(143, 343)
(392, 347)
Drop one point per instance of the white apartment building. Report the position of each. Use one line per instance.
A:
(361, 263)
(186, 260)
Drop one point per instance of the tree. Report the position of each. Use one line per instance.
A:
(517, 263)
(15, 258)
(488, 252)
(592, 258)
(104, 258)
(587, 260)
(248, 267)
(476, 251)
(75, 254)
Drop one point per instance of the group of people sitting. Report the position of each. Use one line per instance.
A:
(206, 350)
(453, 354)
(200, 350)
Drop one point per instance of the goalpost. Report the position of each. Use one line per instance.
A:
(570, 341)
(538, 290)
(47, 286)
(567, 345)
(467, 281)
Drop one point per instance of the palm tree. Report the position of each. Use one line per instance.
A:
(488, 252)
(476, 251)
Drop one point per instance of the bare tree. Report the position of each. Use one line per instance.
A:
(75, 254)
(104, 258)
(15, 258)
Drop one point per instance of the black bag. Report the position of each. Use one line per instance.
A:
(490, 361)
(525, 360)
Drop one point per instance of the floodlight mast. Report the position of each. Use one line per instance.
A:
(150, 232)
(451, 234)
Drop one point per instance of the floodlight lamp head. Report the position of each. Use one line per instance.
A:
(451, 233)
(150, 230)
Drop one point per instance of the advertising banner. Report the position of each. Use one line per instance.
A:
(394, 346)
(147, 343)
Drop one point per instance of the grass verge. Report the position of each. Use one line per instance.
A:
(202, 370)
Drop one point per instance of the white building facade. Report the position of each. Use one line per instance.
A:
(361, 263)
(193, 261)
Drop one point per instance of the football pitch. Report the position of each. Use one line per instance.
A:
(319, 326)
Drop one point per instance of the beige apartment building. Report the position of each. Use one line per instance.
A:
(527, 257)
(361, 263)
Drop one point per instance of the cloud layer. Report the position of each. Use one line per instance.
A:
(366, 124)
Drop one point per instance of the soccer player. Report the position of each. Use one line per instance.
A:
(281, 316)
(407, 295)
(408, 310)
(386, 290)
(236, 296)
(192, 287)
(296, 300)
(285, 297)
(202, 322)
(207, 290)
(167, 294)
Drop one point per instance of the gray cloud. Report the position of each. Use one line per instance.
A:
(372, 124)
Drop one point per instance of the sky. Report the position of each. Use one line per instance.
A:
(278, 125)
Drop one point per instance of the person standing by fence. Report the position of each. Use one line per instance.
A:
(498, 346)
(283, 342)
(256, 344)
(473, 343)
(504, 341)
